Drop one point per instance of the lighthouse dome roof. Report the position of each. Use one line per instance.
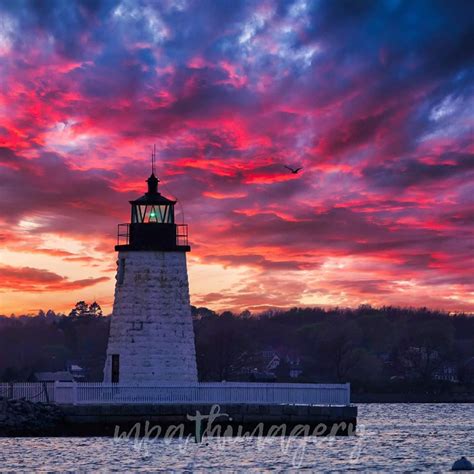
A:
(153, 196)
(157, 198)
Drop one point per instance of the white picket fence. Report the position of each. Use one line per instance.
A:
(35, 392)
(206, 393)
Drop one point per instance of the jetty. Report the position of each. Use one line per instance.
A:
(171, 410)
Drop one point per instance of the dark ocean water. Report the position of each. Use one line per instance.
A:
(391, 438)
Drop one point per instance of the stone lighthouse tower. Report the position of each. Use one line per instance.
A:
(151, 338)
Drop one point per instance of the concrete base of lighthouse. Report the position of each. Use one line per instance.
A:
(151, 338)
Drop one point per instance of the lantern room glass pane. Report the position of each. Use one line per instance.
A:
(134, 215)
(153, 213)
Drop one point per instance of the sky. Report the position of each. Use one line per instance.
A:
(374, 99)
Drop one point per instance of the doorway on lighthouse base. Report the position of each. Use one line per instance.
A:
(115, 368)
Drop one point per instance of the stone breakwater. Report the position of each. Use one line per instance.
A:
(25, 418)
(214, 420)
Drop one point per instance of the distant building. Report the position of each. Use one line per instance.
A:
(257, 376)
(273, 362)
(270, 364)
(294, 366)
(447, 373)
(77, 372)
(60, 376)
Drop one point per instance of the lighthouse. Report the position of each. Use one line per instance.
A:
(151, 339)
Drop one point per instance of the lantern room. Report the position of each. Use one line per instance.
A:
(152, 224)
(152, 207)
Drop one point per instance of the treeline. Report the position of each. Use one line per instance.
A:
(376, 349)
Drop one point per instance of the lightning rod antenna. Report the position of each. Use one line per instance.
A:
(153, 158)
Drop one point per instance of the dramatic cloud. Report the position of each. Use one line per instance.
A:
(373, 99)
(38, 280)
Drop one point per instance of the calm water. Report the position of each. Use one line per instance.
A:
(395, 437)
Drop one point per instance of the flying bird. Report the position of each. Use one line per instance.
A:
(293, 170)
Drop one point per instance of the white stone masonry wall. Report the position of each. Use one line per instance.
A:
(151, 327)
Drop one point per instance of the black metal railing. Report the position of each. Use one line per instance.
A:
(182, 234)
(123, 234)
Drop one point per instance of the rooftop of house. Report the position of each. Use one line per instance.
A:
(60, 376)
